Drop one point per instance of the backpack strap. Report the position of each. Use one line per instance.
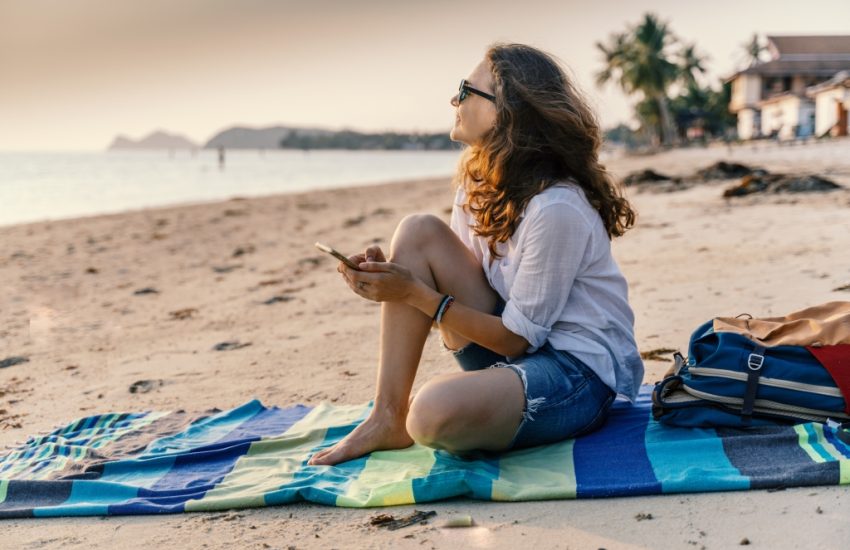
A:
(755, 361)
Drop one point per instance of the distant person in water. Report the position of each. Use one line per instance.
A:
(521, 284)
(221, 157)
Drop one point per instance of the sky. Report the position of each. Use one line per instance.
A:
(76, 73)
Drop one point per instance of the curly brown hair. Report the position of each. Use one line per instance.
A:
(545, 133)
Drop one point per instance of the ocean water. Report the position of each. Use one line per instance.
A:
(55, 185)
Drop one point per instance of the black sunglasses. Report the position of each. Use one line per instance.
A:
(465, 89)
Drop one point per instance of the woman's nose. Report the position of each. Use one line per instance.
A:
(454, 101)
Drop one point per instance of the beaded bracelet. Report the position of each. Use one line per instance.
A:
(445, 304)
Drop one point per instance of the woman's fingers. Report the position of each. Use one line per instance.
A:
(374, 254)
(356, 259)
(378, 267)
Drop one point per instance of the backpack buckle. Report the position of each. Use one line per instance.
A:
(755, 361)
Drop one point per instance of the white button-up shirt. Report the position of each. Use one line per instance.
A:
(561, 283)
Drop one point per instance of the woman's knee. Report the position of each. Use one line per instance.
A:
(416, 229)
(432, 417)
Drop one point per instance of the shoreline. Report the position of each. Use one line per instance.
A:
(234, 198)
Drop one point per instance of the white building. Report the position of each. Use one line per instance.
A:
(832, 103)
(772, 98)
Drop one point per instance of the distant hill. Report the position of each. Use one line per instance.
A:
(257, 138)
(157, 140)
(282, 137)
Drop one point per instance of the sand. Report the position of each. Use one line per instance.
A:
(69, 303)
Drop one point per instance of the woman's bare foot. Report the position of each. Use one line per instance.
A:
(379, 432)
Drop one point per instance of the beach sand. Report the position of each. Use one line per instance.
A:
(69, 303)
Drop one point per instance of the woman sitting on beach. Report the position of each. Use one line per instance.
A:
(522, 280)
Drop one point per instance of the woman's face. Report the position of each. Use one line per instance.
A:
(475, 115)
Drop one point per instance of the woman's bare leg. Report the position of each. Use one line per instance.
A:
(427, 246)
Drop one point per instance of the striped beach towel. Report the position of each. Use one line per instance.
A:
(253, 455)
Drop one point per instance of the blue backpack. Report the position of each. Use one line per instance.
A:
(730, 380)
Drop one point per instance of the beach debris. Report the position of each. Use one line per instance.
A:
(780, 183)
(146, 290)
(92, 270)
(225, 268)
(842, 288)
(13, 360)
(144, 386)
(269, 282)
(242, 250)
(278, 298)
(230, 345)
(646, 176)
(181, 314)
(392, 523)
(658, 354)
(726, 171)
(458, 521)
(382, 211)
(10, 420)
(641, 516)
(744, 541)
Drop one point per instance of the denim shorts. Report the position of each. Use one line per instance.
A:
(564, 398)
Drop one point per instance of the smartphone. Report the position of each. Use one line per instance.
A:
(338, 255)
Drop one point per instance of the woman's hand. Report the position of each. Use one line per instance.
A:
(378, 280)
(372, 254)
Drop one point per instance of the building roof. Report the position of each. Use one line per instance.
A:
(802, 67)
(820, 56)
(840, 80)
(782, 46)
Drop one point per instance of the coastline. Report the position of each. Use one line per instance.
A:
(71, 307)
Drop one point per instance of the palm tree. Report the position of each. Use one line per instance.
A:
(639, 61)
(691, 64)
(752, 50)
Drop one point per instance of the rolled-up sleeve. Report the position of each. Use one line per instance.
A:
(552, 249)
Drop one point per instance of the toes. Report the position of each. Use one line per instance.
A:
(316, 459)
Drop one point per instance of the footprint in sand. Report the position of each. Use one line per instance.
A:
(242, 250)
(351, 222)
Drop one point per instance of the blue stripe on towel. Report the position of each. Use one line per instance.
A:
(613, 461)
(452, 476)
(691, 460)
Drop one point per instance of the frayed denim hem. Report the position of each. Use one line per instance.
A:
(531, 405)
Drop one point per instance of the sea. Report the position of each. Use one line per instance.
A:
(39, 186)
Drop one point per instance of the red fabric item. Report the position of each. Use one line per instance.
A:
(836, 360)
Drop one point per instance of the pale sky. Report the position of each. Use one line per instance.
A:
(74, 73)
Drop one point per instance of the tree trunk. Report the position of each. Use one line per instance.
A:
(667, 131)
